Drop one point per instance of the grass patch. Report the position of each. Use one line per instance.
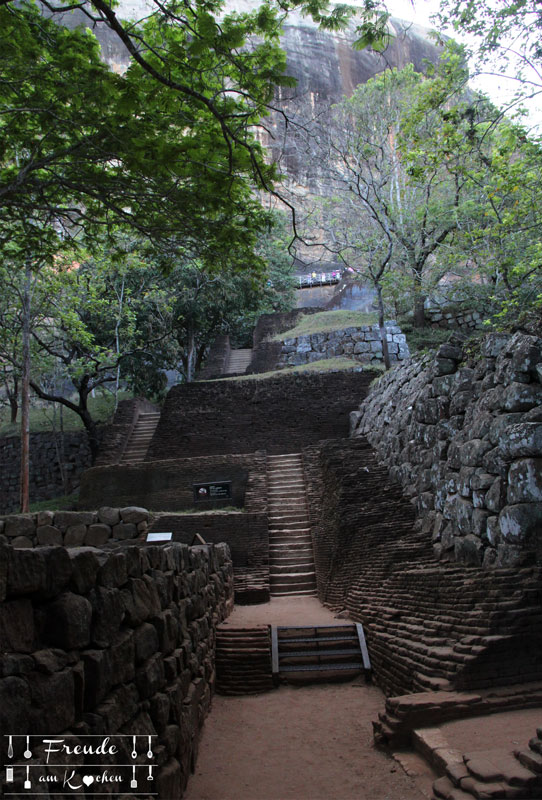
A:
(327, 321)
(64, 503)
(44, 418)
(325, 365)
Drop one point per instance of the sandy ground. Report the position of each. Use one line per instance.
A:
(312, 742)
(307, 743)
(284, 611)
(509, 730)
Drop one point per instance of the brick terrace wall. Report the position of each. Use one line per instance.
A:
(429, 624)
(45, 475)
(115, 436)
(167, 485)
(99, 643)
(279, 415)
(464, 439)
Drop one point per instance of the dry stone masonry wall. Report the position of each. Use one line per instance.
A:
(74, 528)
(98, 643)
(464, 440)
(362, 344)
(48, 478)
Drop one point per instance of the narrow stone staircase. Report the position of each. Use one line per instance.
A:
(291, 558)
(140, 439)
(238, 361)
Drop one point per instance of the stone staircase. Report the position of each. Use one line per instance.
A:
(243, 660)
(321, 652)
(238, 361)
(493, 774)
(291, 558)
(140, 439)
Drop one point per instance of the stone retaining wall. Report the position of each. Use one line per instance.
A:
(45, 473)
(74, 528)
(454, 318)
(464, 439)
(118, 642)
(429, 624)
(362, 344)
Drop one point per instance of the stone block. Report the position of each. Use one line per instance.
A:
(65, 519)
(53, 702)
(44, 518)
(109, 516)
(146, 641)
(494, 343)
(525, 481)
(85, 566)
(495, 496)
(50, 660)
(16, 626)
(519, 521)
(123, 656)
(14, 705)
(169, 780)
(134, 514)
(19, 525)
(75, 535)
(108, 612)
(468, 550)
(58, 568)
(113, 572)
(150, 677)
(22, 542)
(479, 521)
(521, 396)
(493, 531)
(27, 572)
(99, 676)
(97, 534)
(48, 534)
(521, 439)
(362, 347)
(67, 622)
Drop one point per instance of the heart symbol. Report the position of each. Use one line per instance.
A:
(88, 779)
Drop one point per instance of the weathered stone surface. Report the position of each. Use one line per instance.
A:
(109, 516)
(58, 567)
(22, 542)
(521, 397)
(65, 519)
(525, 481)
(19, 525)
(26, 572)
(75, 535)
(108, 613)
(14, 705)
(67, 622)
(85, 566)
(16, 626)
(48, 534)
(523, 439)
(53, 702)
(146, 641)
(97, 534)
(51, 660)
(125, 530)
(519, 521)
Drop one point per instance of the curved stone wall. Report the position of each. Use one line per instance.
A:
(463, 436)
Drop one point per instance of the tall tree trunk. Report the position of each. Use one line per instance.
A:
(420, 297)
(190, 355)
(383, 336)
(13, 399)
(25, 395)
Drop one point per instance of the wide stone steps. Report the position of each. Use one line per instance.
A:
(318, 652)
(239, 361)
(243, 660)
(140, 439)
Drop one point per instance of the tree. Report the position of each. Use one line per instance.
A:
(507, 35)
(386, 214)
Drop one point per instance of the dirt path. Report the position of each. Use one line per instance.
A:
(311, 742)
(308, 743)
